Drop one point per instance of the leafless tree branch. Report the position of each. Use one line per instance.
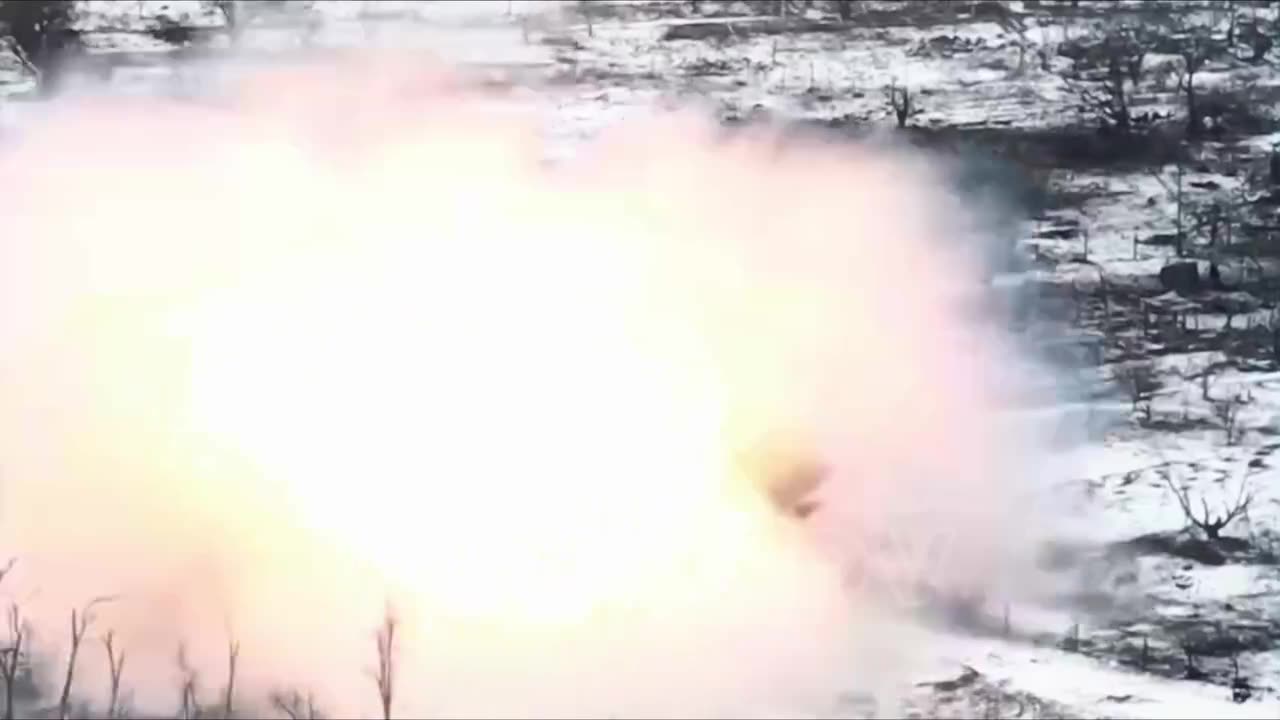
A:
(80, 622)
(115, 663)
(902, 103)
(233, 659)
(13, 656)
(294, 705)
(1209, 523)
(189, 689)
(385, 676)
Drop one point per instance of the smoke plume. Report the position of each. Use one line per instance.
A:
(341, 345)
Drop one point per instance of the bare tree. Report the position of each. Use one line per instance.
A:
(1139, 381)
(1175, 193)
(115, 663)
(1206, 382)
(1210, 217)
(1227, 411)
(1241, 690)
(233, 658)
(1108, 96)
(1193, 671)
(385, 675)
(1210, 524)
(902, 103)
(294, 705)
(80, 622)
(1196, 47)
(189, 686)
(13, 655)
(13, 658)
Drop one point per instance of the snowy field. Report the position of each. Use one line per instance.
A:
(1147, 618)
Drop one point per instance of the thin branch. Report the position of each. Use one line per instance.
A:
(294, 705)
(80, 622)
(115, 662)
(385, 676)
(1208, 524)
(12, 657)
(189, 705)
(233, 657)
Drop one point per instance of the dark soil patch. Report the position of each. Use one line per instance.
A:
(1058, 148)
(1159, 239)
(1058, 233)
(1179, 424)
(1206, 552)
(889, 15)
(747, 27)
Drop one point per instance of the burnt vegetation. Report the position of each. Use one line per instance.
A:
(1210, 522)
(1106, 76)
(1177, 96)
(1155, 94)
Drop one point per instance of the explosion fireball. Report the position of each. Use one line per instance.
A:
(345, 343)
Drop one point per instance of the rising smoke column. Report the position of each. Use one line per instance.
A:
(342, 343)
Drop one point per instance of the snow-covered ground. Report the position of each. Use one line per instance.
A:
(1140, 600)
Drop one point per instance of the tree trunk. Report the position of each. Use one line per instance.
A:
(1181, 235)
(1195, 123)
